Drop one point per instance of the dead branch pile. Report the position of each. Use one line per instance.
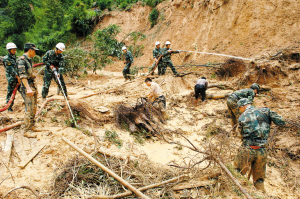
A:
(80, 177)
(231, 67)
(86, 111)
(288, 54)
(143, 117)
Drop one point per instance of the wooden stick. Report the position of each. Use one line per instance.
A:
(104, 168)
(23, 187)
(152, 71)
(31, 155)
(128, 193)
(236, 182)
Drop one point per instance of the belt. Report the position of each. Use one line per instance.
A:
(255, 147)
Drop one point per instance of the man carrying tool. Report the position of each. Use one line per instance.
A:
(155, 95)
(200, 88)
(11, 71)
(54, 61)
(157, 53)
(28, 88)
(236, 96)
(254, 126)
(128, 62)
(167, 52)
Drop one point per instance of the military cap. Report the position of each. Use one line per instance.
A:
(243, 102)
(30, 46)
(255, 86)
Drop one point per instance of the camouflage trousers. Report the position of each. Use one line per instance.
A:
(30, 106)
(126, 70)
(254, 159)
(168, 64)
(159, 67)
(48, 76)
(233, 109)
(11, 84)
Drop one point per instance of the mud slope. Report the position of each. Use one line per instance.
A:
(240, 28)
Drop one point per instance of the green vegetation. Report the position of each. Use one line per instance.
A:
(113, 137)
(153, 16)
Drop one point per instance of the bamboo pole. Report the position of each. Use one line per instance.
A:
(104, 168)
(236, 182)
(128, 193)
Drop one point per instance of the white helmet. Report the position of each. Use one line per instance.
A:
(124, 48)
(157, 43)
(10, 46)
(60, 46)
(168, 43)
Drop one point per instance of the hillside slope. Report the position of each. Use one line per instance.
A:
(241, 28)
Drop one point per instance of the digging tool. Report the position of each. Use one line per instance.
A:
(62, 90)
(217, 54)
(152, 71)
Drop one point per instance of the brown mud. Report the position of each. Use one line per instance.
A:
(250, 29)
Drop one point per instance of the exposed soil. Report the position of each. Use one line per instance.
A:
(249, 29)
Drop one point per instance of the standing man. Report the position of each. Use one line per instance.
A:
(11, 71)
(28, 88)
(54, 60)
(155, 95)
(167, 52)
(157, 52)
(254, 125)
(128, 62)
(236, 96)
(200, 88)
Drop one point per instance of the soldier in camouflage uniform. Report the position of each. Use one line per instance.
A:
(28, 88)
(128, 62)
(157, 52)
(54, 60)
(167, 52)
(11, 72)
(236, 96)
(254, 125)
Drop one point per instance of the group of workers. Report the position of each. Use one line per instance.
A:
(253, 123)
(20, 73)
(162, 59)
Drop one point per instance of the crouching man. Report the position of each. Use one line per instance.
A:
(155, 95)
(254, 126)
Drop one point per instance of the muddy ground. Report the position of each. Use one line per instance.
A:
(251, 29)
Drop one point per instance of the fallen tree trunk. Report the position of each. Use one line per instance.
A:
(128, 193)
(104, 168)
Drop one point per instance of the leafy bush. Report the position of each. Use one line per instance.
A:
(153, 3)
(153, 16)
(75, 61)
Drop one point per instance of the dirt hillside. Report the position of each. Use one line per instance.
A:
(250, 29)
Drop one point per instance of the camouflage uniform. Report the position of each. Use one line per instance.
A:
(58, 61)
(25, 72)
(167, 61)
(11, 71)
(157, 52)
(234, 98)
(254, 125)
(129, 61)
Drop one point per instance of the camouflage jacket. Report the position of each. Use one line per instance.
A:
(157, 52)
(50, 58)
(254, 125)
(10, 65)
(167, 56)
(245, 93)
(128, 57)
(25, 68)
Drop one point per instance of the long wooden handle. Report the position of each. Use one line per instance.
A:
(152, 71)
(104, 168)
